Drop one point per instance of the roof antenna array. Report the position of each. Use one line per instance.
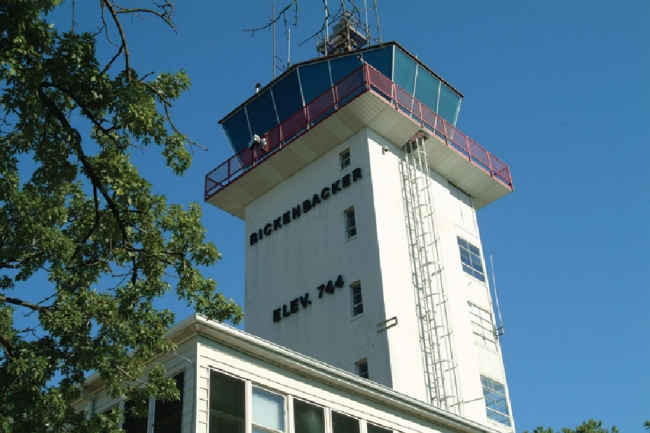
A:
(348, 34)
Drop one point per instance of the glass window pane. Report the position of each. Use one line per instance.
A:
(268, 409)
(343, 66)
(404, 71)
(287, 96)
(426, 90)
(226, 404)
(261, 113)
(314, 79)
(168, 414)
(308, 418)
(344, 424)
(377, 429)
(237, 130)
(381, 59)
(449, 103)
(132, 424)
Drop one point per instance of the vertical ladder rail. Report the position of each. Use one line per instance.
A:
(428, 277)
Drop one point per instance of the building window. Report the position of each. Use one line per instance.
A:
(308, 418)
(227, 396)
(362, 368)
(344, 424)
(268, 411)
(496, 404)
(482, 326)
(376, 429)
(350, 224)
(132, 423)
(470, 256)
(357, 300)
(344, 159)
(168, 414)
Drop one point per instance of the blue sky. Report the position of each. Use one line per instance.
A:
(556, 89)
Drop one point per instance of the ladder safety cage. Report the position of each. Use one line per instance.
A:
(436, 337)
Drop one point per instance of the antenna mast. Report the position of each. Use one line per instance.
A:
(500, 329)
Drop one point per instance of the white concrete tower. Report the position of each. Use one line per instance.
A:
(359, 197)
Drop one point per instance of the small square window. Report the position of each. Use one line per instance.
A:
(496, 404)
(344, 159)
(350, 224)
(470, 257)
(357, 299)
(362, 368)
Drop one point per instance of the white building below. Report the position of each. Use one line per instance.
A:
(232, 381)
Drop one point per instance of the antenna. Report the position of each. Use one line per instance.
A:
(346, 36)
(274, 55)
(500, 329)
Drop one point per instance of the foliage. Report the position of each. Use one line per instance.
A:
(85, 245)
(591, 426)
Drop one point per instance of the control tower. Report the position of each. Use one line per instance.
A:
(359, 197)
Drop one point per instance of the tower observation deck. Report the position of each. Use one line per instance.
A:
(383, 88)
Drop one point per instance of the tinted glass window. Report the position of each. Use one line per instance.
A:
(286, 94)
(261, 114)
(133, 424)
(426, 90)
(168, 414)
(237, 130)
(449, 102)
(344, 424)
(308, 418)
(343, 66)
(381, 59)
(404, 71)
(226, 404)
(314, 79)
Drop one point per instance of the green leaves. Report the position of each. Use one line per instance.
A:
(82, 228)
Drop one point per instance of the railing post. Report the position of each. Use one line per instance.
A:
(489, 161)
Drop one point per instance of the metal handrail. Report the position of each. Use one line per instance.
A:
(365, 78)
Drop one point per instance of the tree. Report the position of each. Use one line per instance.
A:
(591, 426)
(82, 227)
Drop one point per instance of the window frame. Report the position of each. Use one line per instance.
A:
(285, 406)
(471, 259)
(345, 161)
(497, 409)
(350, 219)
(356, 305)
(361, 368)
(480, 329)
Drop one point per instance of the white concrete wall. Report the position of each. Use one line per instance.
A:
(311, 251)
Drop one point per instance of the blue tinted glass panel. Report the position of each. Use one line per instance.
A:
(236, 128)
(404, 71)
(314, 79)
(381, 59)
(343, 66)
(261, 113)
(449, 101)
(287, 96)
(426, 90)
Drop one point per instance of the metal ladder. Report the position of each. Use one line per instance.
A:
(436, 338)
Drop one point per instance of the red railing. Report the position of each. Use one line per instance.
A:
(364, 79)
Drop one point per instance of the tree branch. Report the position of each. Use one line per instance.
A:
(21, 303)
